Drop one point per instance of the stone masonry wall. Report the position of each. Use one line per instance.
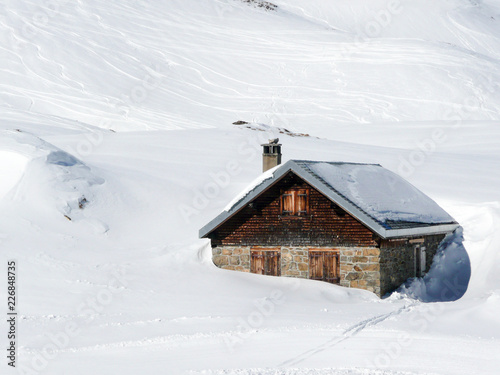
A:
(432, 244)
(397, 261)
(397, 265)
(295, 262)
(360, 268)
(378, 270)
(236, 258)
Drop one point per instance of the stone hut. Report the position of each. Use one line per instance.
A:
(355, 225)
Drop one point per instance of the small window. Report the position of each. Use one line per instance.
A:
(295, 202)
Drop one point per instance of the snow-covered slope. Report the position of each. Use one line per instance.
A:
(315, 65)
(117, 145)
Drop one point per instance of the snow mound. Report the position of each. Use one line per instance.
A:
(51, 178)
(449, 276)
(12, 166)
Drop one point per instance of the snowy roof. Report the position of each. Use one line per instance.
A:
(380, 199)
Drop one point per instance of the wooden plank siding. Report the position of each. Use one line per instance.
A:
(261, 224)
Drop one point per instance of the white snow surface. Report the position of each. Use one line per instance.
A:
(380, 193)
(130, 104)
(11, 169)
(251, 186)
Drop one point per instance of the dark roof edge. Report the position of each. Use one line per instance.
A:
(422, 231)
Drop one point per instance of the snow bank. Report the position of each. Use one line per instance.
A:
(449, 276)
(12, 166)
(44, 175)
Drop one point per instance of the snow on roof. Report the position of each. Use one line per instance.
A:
(380, 193)
(264, 176)
(383, 201)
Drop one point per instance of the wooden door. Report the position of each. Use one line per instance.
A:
(324, 266)
(316, 265)
(420, 261)
(332, 267)
(265, 262)
(257, 263)
(273, 266)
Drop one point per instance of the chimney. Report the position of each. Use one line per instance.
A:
(271, 154)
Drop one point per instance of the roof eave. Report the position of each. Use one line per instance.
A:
(421, 231)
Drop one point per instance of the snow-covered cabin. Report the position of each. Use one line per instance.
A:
(356, 225)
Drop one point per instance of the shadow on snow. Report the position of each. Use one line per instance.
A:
(449, 276)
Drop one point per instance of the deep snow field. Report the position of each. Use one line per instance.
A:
(117, 145)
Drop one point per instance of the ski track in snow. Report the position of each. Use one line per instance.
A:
(348, 333)
(218, 87)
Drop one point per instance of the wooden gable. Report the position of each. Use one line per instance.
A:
(292, 213)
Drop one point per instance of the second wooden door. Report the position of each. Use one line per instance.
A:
(324, 266)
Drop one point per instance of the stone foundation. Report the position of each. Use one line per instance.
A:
(236, 258)
(360, 268)
(295, 262)
(378, 270)
(397, 261)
